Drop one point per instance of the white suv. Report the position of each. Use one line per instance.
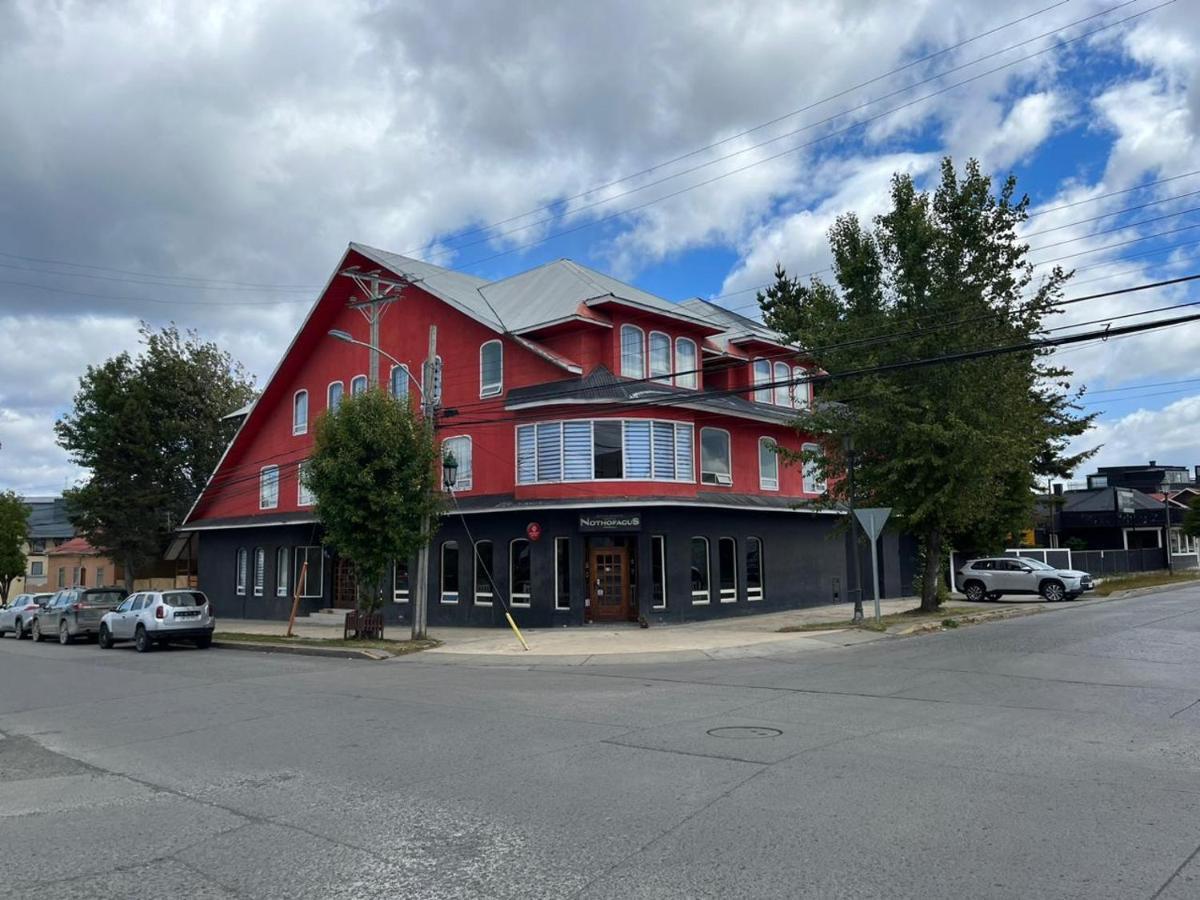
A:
(157, 617)
(987, 579)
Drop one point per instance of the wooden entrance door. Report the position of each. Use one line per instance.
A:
(345, 588)
(609, 567)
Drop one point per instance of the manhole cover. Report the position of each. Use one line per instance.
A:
(744, 731)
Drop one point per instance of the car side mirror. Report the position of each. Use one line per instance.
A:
(1026, 569)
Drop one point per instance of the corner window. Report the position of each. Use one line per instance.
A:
(754, 568)
(762, 376)
(727, 567)
(268, 487)
(715, 465)
(461, 448)
(242, 571)
(699, 570)
(768, 465)
(398, 382)
(400, 585)
(562, 573)
(660, 357)
(304, 497)
(281, 572)
(491, 369)
(813, 482)
(686, 375)
(300, 412)
(333, 395)
(658, 571)
(520, 578)
(633, 352)
(450, 572)
(358, 385)
(484, 574)
(260, 570)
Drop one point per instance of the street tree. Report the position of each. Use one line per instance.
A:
(149, 430)
(954, 449)
(1191, 518)
(375, 476)
(14, 532)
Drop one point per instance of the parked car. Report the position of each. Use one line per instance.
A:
(16, 616)
(159, 617)
(75, 612)
(988, 579)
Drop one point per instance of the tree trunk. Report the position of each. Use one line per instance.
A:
(931, 577)
(128, 573)
(5, 584)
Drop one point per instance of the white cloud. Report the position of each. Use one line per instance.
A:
(1169, 435)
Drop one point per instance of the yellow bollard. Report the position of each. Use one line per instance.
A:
(516, 630)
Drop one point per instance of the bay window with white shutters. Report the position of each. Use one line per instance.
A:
(605, 450)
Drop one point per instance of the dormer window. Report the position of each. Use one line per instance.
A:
(660, 357)
(686, 375)
(633, 352)
(801, 390)
(762, 376)
(783, 393)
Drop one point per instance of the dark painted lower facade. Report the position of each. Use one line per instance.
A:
(659, 563)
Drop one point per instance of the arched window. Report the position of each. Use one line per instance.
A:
(699, 570)
(333, 395)
(520, 573)
(754, 568)
(491, 369)
(813, 482)
(399, 382)
(450, 572)
(727, 569)
(358, 385)
(660, 357)
(762, 375)
(281, 572)
(801, 393)
(300, 412)
(783, 392)
(484, 574)
(768, 465)
(686, 375)
(240, 574)
(260, 570)
(633, 352)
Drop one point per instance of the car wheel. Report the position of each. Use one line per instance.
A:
(64, 633)
(19, 630)
(105, 639)
(204, 643)
(36, 631)
(975, 591)
(1053, 591)
(142, 641)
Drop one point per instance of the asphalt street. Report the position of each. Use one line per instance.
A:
(1055, 755)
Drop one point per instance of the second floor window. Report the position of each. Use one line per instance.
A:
(686, 364)
(660, 357)
(768, 465)
(605, 449)
(715, 463)
(491, 369)
(300, 412)
(461, 448)
(268, 487)
(399, 382)
(358, 385)
(304, 497)
(633, 352)
(813, 482)
(333, 396)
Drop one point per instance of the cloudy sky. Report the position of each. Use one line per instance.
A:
(207, 162)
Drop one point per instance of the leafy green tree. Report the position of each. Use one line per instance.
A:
(375, 475)
(149, 430)
(955, 449)
(1191, 518)
(14, 532)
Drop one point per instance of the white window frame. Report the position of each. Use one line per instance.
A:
(690, 377)
(281, 571)
(801, 392)
(522, 600)
(562, 604)
(461, 486)
(641, 351)
(329, 406)
(706, 594)
(304, 497)
(241, 573)
(298, 426)
(686, 440)
(260, 571)
(484, 591)
(491, 390)
(663, 377)
(765, 483)
(812, 483)
(400, 595)
(717, 475)
(442, 592)
(392, 381)
(781, 374)
(761, 394)
(268, 487)
(754, 594)
(723, 593)
(662, 562)
(357, 379)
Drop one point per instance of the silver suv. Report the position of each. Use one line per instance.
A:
(158, 617)
(74, 613)
(987, 579)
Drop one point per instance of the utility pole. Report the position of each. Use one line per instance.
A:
(856, 590)
(430, 399)
(1167, 507)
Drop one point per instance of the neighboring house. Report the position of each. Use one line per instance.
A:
(616, 456)
(76, 563)
(48, 528)
(1150, 479)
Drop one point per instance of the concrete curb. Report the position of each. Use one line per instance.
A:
(300, 650)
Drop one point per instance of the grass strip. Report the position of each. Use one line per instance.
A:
(907, 617)
(396, 648)
(1114, 583)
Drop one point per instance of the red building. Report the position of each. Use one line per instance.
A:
(616, 454)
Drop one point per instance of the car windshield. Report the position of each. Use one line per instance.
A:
(184, 598)
(1035, 563)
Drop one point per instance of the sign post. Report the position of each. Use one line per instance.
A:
(872, 520)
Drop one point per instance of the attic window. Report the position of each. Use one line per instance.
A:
(633, 352)
(300, 412)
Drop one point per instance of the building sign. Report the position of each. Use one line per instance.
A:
(610, 522)
(533, 530)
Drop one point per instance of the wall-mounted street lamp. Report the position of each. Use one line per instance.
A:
(449, 470)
